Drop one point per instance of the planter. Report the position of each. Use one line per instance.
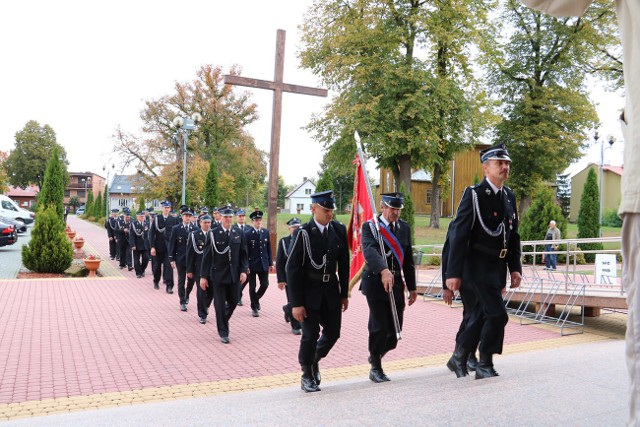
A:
(71, 234)
(92, 265)
(78, 244)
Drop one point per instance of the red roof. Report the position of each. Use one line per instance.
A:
(30, 191)
(615, 169)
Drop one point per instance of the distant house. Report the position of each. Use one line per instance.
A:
(611, 193)
(25, 198)
(81, 184)
(125, 190)
(298, 200)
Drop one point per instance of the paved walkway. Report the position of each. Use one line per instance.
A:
(11, 256)
(70, 345)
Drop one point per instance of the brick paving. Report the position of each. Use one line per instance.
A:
(73, 344)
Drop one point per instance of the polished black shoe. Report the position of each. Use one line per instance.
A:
(307, 381)
(224, 340)
(286, 316)
(142, 274)
(259, 308)
(202, 320)
(169, 290)
(485, 367)
(296, 331)
(378, 376)
(315, 370)
(458, 362)
(155, 285)
(130, 268)
(240, 303)
(183, 307)
(472, 362)
(122, 267)
(186, 301)
(255, 313)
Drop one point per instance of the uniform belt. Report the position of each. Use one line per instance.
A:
(498, 253)
(320, 277)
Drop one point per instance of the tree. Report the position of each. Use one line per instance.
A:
(49, 250)
(283, 189)
(105, 200)
(338, 161)
(142, 203)
(325, 182)
(88, 208)
(537, 68)
(4, 180)
(563, 193)
(408, 213)
(589, 215)
(211, 186)
(535, 222)
(403, 80)
(75, 202)
(98, 209)
(27, 162)
(52, 190)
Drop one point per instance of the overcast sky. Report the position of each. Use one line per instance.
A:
(86, 67)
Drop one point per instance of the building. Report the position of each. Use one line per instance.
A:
(298, 200)
(81, 184)
(464, 170)
(125, 190)
(25, 198)
(611, 188)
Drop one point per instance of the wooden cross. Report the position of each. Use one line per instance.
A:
(277, 86)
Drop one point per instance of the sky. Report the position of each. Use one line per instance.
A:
(85, 68)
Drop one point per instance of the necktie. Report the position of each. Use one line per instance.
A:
(325, 233)
(392, 226)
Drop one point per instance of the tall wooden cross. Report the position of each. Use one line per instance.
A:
(277, 86)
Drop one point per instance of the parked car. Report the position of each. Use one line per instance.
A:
(19, 226)
(10, 209)
(80, 210)
(8, 235)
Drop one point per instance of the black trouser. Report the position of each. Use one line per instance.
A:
(486, 318)
(264, 284)
(162, 265)
(310, 345)
(241, 288)
(288, 311)
(225, 298)
(112, 247)
(382, 332)
(202, 299)
(125, 253)
(182, 277)
(140, 260)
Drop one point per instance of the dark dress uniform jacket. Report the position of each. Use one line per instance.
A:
(473, 254)
(305, 281)
(281, 258)
(217, 267)
(371, 284)
(110, 224)
(259, 249)
(139, 235)
(196, 244)
(160, 232)
(178, 243)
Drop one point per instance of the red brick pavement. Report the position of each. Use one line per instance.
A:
(72, 337)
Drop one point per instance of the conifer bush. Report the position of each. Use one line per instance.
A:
(49, 250)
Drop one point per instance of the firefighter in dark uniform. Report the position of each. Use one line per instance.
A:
(124, 248)
(203, 211)
(243, 226)
(483, 243)
(110, 224)
(139, 242)
(177, 248)
(224, 265)
(260, 260)
(384, 273)
(198, 240)
(318, 295)
(147, 216)
(217, 218)
(284, 246)
(158, 238)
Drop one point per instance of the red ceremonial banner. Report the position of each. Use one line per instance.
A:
(361, 212)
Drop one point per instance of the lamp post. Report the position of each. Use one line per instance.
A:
(85, 182)
(107, 191)
(610, 140)
(184, 125)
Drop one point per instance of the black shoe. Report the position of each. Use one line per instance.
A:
(186, 301)
(378, 376)
(202, 320)
(139, 276)
(458, 362)
(315, 370)
(130, 268)
(307, 382)
(122, 267)
(155, 285)
(169, 290)
(240, 303)
(472, 362)
(286, 316)
(142, 274)
(259, 308)
(255, 313)
(296, 331)
(112, 257)
(485, 367)
(183, 307)
(224, 340)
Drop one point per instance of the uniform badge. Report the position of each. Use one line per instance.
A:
(487, 192)
(495, 213)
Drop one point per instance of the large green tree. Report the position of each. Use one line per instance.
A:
(537, 68)
(49, 250)
(589, 216)
(27, 162)
(55, 179)
(535, 222)
(211, 186)
(401, 72)
(4, 180)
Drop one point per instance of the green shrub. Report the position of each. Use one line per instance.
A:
(49, 250)
(610, 218)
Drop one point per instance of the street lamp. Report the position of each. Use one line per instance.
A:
(108, 211)
(85, 182)
(610, 140)
(184, 125)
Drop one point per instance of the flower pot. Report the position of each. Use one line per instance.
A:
(78, 244)
(92, 265)
(71, 234)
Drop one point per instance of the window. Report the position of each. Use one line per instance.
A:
(67, 193)
(300, 206)
(307, 191)
(82, 194)
(123, 202)
(8, 206)
(428, 196)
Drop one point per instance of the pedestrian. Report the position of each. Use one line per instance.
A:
(110, 224)
(553, 233)
(483, 243)
(203, 211)
(198, 240)
(282, 255)
(158, 238)
(139, 242)
(388, 270)
(225, 264)
(241, 217)
(177, 252)
(66, 213)
(260, 260)
(318, 295)
(124, 224)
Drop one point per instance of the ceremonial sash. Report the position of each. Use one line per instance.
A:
(392, 242)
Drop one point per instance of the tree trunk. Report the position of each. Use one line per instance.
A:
(435, 197)
(525, 203)
(404, 173)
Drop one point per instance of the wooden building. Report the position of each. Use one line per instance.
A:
(464, 170)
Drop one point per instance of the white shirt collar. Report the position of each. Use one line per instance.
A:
(493, 187)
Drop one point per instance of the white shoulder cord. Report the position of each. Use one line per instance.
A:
(158, 228)
(476, 210)
(284, 248)
(195, 248)
(307, 245)
(215, 247)
(135, 230)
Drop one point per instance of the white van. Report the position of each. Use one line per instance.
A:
(10, 209)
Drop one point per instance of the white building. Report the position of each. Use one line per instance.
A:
(298, 200)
